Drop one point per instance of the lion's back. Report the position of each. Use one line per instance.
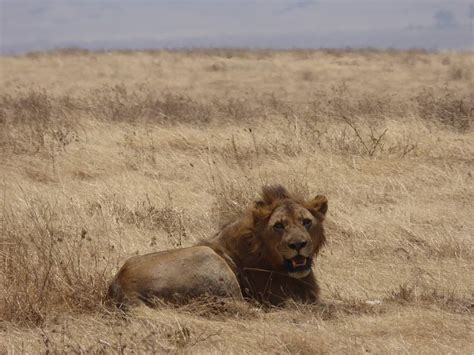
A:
(174, 275)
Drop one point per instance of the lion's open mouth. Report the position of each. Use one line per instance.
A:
(298, 263)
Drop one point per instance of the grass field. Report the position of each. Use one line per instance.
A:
(108, 155)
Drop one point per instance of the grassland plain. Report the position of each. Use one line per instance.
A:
(106, 155)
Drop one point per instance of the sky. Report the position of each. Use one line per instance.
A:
(32, 25)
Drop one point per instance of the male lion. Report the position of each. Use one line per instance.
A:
(266, 255)
(271, 248)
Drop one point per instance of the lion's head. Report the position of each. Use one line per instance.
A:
(290, 230)
(272, 246)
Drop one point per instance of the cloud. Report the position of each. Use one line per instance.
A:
(444, 19)
(296, 6)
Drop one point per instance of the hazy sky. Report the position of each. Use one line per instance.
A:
(28, 25)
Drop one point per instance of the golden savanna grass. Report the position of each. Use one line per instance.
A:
(106, 155)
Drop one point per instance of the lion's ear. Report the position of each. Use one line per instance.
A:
(261, 211)
(318, 206)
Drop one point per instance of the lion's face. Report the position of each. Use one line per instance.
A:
(294, 234)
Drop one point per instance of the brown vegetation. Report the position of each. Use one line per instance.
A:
(108, 155)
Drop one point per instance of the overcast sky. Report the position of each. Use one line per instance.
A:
(28, 25)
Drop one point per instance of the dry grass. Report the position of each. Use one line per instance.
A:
(105, 155)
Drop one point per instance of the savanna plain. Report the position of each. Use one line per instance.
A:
(105, 155)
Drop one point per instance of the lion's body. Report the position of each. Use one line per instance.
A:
(174, 275)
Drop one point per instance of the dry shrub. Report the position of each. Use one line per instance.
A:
(70, 51)
(144, 214)
(445, 107)
(413, 56)
(156, 337)
(227, 53)
(445, 298)
(180, 109)
(302, 344)
(342, 99)
(217, 67)
(460, 72)
(235, 110)
(307, 75)
(170, 219)
(119, 103)
(335, 309)
(218, 308)
(446, 60)
(337, 52)
(49, 262)
(304, 54)
(141, 149)
(372, 143)
(231, 199)
(33, 121)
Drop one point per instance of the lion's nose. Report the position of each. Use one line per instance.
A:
(297, 245)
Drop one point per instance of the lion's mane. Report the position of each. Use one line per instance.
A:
(241, 243)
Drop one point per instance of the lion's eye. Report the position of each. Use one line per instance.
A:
(307, 223)
(279, 226)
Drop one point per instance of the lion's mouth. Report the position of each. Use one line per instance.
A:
(298, 263)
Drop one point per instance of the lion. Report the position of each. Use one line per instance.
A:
(272, 247)
(265, 255)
